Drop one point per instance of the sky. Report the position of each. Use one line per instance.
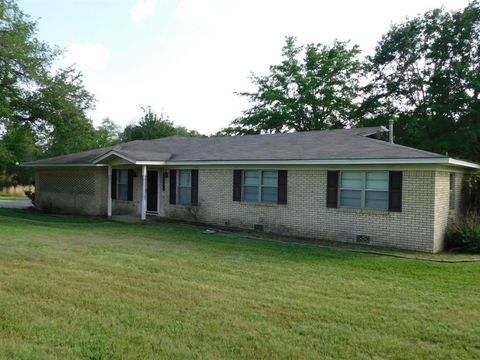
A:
(186, 58)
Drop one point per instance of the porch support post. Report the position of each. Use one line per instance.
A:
(144, 193)
(109, 192)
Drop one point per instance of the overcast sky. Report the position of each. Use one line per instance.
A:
(187, 57)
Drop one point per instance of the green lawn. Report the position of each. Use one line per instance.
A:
(14, 196)
(93, 290)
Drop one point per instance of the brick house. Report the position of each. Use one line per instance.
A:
(345, 185)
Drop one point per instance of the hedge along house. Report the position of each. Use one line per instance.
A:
(345, 185)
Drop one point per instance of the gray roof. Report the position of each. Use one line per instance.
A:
(342, 144)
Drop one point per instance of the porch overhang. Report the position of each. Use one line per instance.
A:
(109, 156)
(131, 158)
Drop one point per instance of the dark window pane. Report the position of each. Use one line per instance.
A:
(184, 195)
(351, 198)
(122, 192)
(269, 194)
(376, 199)
(250, 193)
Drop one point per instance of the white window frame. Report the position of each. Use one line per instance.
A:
(119, 171)
(363, 189)
(179, 186)
(260, 186)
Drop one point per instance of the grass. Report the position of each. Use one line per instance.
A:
(93, 290)
(13, 196)
(40, 217)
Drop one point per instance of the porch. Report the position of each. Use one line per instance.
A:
(135, 191)
(136, 186)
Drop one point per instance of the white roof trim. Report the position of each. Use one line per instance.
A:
(437, 161)
(425, 161)
(63, 165)
(463, 163)
(110, 153)
(151, 163)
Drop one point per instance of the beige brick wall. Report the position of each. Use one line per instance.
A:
(306, 213)
(443, 213)
(55, 189)
(63, 199)
(420, 226)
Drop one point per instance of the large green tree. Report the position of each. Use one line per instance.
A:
(425, 73)
(153, 126)
(314, 88)
(42, 108)
(107, 133)
(58, 110)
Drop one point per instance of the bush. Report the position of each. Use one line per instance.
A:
(465, 233)
(471, 193)
(30, 195)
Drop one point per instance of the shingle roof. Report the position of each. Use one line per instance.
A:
(342, 144)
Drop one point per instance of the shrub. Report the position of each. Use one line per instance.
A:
(471, 193)
(30, 195)
(465, 233)
(48, 208)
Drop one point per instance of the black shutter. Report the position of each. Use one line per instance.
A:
(332, 189)
(173, 187)
(114, 184)
(395, 191)
(194, 187)
(131, 175)
(282, 186)
(237, 185)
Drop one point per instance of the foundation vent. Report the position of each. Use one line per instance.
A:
(258, 227)
(363, 238)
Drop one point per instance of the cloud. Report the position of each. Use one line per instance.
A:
(87, 56)
(142, 9)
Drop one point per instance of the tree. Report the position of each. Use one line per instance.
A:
(58, 110)
(425, 73)
(107, 134)
(45, 106)
(153, 126)
(314, 88)
(17, 143)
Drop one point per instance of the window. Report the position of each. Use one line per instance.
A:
(122, 185)
(260, 186)
(360, 189)
(185, 187)
(452, 191)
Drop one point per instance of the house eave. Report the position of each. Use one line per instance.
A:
(463, 163)
(417, 161)
(62, 165)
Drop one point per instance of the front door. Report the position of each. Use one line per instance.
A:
(152, 191)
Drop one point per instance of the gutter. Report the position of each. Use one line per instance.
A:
(62, 165)
(424, 161)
